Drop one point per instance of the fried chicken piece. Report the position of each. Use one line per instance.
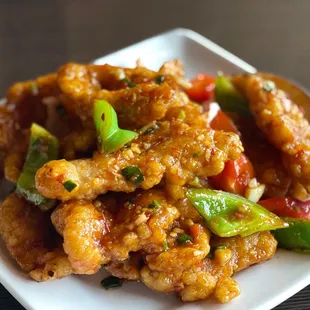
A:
(212, 276)
(167, 152)
(265, 158)
(281, 121)
(128, 269)
(136, 106)
(139, 227)
(28, 236)
(24, 106)
(91, 240)
(55, 265)
(82, 226)
(15, 157)
(77, 143)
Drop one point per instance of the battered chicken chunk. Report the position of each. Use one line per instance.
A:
(24, 106)
(92, 239)
(167, 152)
(136, 106)
(282, 122)
(82, 225)
(212, 275)
(30, 240)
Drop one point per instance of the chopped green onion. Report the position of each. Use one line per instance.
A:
(60, 110)
(155, 204)
(165, 246)
(213, 248)
(133, 174)
(69, 186)
(111, 282)
(159, 79)
(129, 82)
(181, 115)
(197, 154)
(34, 88)
(195, 182)
(148, 129)
(269, 86)
(184, 238)
(110, 137)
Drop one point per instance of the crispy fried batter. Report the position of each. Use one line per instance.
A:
(90, 241)
(24, 106)
(136, 106)
(82, 225)
(282, 122)
(166, 152)
(29, 238)
(15, 157)
(139, 227)
(128, 269)
(212, 275)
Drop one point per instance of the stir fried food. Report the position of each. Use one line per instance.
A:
(173, 183)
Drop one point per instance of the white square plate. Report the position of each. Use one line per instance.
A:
(263, 286)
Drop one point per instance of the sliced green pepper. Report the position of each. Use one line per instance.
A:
(110, 136)
(296, 236)
(229, 215)
(43, 147)
(229, 98)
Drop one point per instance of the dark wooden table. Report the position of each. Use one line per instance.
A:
(37, 36)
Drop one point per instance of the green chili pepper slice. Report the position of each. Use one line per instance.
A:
(229, 98)
(229, 215)
(43, 147)
(110, 136)
(296, 236)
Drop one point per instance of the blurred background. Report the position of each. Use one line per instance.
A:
(37, 36)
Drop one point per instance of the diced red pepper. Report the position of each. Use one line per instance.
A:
(195, 230)
(202, 88)
(287, 207)
(218, 120)
(235, 177)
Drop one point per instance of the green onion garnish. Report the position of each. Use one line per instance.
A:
(111, 282)
(69, 186)
(60, 110)
(213, 248)
(154, 205)
(159, 79)
(269, 86)
(165, 246)
(184, 238)
(34, 88)
(181, 115)
(195, 182)
(197, 154)
(129, 82)
(133, 174)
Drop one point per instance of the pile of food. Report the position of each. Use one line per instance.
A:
(173, 183)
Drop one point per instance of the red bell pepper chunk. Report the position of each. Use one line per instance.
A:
(202, 88)
(287, 207)
(235, 177)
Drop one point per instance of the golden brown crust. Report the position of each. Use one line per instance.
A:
(28, 236)
(282, 122)
(82, 227)
(166, 152)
